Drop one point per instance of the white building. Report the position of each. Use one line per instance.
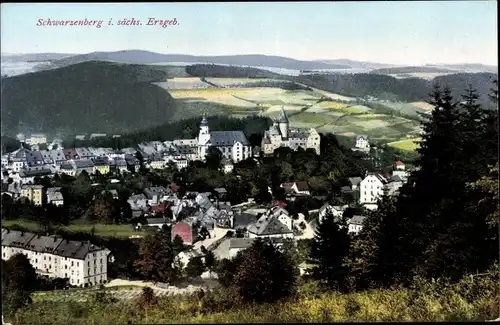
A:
(372, 188)
(336, 211)
(232, 144)
(280, 135)
(362, 142)
(83, 263)
(269, 227)
(54, 196)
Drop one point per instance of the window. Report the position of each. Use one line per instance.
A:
(72, 263)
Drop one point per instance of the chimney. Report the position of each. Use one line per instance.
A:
(55, 239)
(67, 241)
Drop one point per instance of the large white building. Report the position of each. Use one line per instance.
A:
(83, 263)
(232, 144)
(280, 135)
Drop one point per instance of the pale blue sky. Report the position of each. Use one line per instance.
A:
(391, 32)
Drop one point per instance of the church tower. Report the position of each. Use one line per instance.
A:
(283, 124)
(203, 138)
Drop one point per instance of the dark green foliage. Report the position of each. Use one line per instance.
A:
(19, 280)
(330, 249)
(221, 71)
(265, 274)
(435, 227)
(185, 129)
(156, 257)
(390, 88)
(86, 97)
(195, 267)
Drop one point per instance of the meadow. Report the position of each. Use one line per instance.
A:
(474, 298)
(306, 108)
(406, 144)
(122, 231)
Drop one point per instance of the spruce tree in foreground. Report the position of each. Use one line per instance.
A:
(265, 274)
(330, 248)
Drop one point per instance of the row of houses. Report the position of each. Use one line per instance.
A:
(83, 263)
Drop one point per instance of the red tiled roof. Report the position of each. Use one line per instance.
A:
(278, 204)
(162, 207)
(173, 187)
(399, 163)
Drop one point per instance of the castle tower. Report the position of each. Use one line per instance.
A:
(283, 124)
(203, 138)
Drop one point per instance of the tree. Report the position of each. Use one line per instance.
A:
(19, 280)
(156, 259)
(265, 274)
(195, 267)
(214, 158)
(330, 248)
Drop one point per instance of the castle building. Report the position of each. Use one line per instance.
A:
(233, 145)
(281, 135)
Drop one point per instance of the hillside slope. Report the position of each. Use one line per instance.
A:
(86, 97)
(146, 57)
(390, 88)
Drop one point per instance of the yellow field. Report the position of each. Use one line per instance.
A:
(423, 105)
(221, 96)
(331, 105)
(407, 144)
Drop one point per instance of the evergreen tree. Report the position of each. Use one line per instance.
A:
(265, 274)
(330, 248)
(19, 280)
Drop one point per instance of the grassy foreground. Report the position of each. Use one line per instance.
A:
(123, 231)
(471, 299)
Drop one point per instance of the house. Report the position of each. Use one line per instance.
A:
(83, 263)
(156, 162)
(335, 210)
(84, 165)
(34, 158)
(372, 188)
(54, 196)
(68, 169)
(133, 163)
(184, 257)
(243, 220)
(138, 202)
(186, 230)
(399, 169)
(281, 214)
(399, 165)
(36, 138)
(362, 142)
(121, 165)
(269, 227)
(101, 165)
(27, 176)
(355, 224)
(159, 209)
(70, 154)
(156, 194)
(84, 153)
(296, 188)
(181, 163)
(355, 181)
(227, 165)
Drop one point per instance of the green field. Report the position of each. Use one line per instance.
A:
(407, 144)
(100, 229)
(306, 108)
